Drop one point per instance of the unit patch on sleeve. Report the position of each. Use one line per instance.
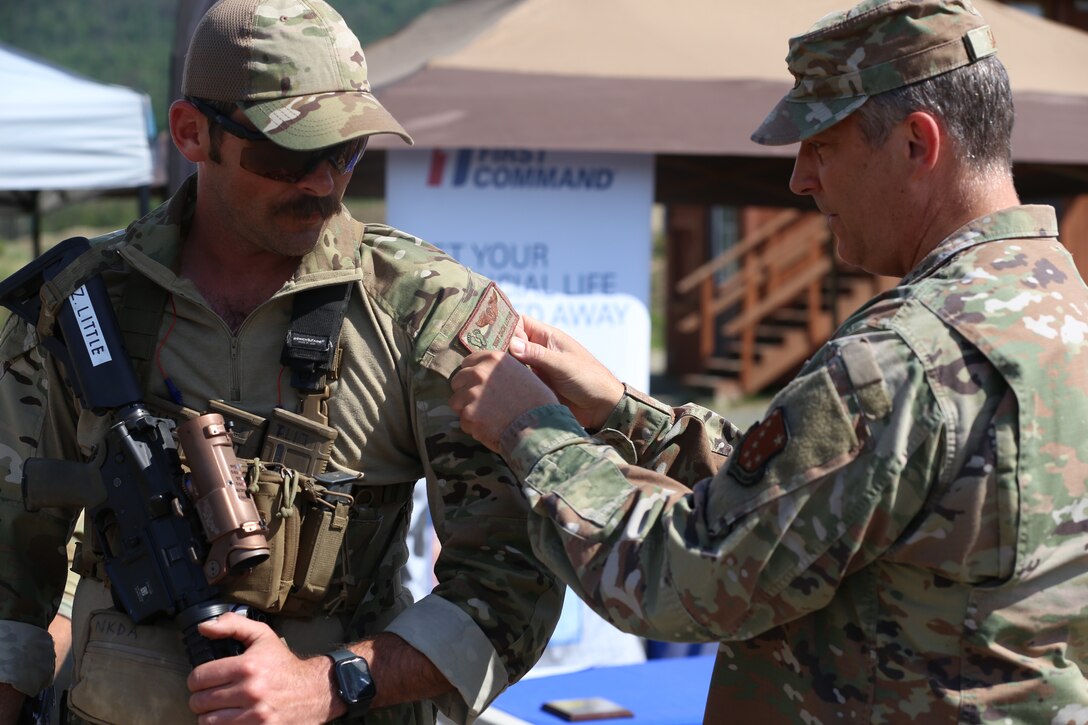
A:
(491, 324)
(760, 444)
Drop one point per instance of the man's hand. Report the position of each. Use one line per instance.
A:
(492, 389)
(580, 381)
(265, 684)
(270, 684)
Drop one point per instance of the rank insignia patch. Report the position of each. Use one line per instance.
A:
(760, 444)
(491, 324)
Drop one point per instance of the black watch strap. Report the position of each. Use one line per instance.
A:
(351, 677)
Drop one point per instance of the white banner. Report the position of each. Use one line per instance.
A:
(566, 236)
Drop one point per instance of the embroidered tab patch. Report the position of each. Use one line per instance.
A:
(491, 324)
(761, 443)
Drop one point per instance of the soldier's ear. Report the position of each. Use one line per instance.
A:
(924, 142)
(189, 130)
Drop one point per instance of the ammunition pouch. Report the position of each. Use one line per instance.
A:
(325, 545)
(306, 522)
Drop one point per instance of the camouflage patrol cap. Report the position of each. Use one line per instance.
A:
(876, 46)
(294, 68)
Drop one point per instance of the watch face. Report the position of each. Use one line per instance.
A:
(354, 678)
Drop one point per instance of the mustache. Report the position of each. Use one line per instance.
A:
(326, 206)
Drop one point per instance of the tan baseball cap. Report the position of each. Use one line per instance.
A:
(294, 68)
(876, 46)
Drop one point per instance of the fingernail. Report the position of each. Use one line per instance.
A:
(517, 346)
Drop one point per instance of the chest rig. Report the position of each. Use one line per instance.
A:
(307, 508)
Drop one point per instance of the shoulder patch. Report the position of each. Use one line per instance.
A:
(760, 444)
(491, 324)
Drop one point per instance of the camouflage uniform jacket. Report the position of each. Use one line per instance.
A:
(494, 606)
(900, 539)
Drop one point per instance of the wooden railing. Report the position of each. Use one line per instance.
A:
(762, 321)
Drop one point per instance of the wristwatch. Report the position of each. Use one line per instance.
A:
(354, 685)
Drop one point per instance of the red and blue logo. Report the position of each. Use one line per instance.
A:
(513, 169)
(462, 162)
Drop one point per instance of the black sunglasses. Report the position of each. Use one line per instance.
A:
(272, 161)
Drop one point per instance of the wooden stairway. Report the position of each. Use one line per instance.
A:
(784, 296)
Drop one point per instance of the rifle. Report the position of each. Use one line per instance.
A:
(167, 535)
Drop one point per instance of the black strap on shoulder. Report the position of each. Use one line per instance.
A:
(310, 347)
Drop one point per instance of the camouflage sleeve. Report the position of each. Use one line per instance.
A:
(495, 605)
(824, 484)
(688, 443)
(32, 545)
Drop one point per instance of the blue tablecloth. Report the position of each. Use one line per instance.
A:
(662, 692)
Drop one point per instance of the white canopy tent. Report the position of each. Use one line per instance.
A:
(63, 135)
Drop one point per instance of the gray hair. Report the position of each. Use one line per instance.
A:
(973, 103)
